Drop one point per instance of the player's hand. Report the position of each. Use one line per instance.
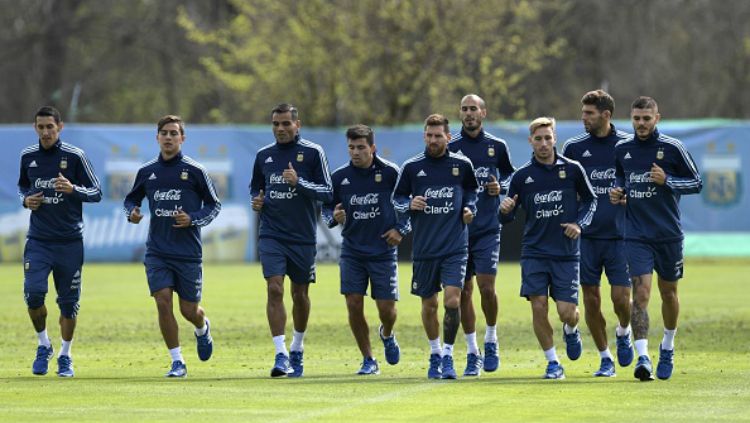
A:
(492, 187)
(508, 204)
(290, 175)
(62, 184)
(33, 201)
(339, 214)
(617, 196)
(135, 215)
(658, 175)
(258, 201)
(392, 237)
(182, 220)
(572, 230)
(418, 203)
(468, 215)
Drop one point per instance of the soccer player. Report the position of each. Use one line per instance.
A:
(439, 189)
(653, 171)
(491, 160)
(602, 245)
(559, 202)
(181, 200)
(55, 179)
(372, 230)
(289, 178)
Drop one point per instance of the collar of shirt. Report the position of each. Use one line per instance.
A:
(437, 159)
(173, 160)
(54, 148)
(290, 144)
(558, 161)
(612, 134)
(652, 139)
(465, 135)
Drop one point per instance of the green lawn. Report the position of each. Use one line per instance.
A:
(120, 358)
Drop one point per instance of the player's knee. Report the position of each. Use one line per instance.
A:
(355, 303)
(487, 290)
(668, 295)
(569, 316)
(34, 300)
(69, 310)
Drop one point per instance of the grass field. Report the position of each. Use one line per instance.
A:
(120, 358)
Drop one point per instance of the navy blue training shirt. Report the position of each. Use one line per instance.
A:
(551, 195)
(652, 213)
(365, 195)
(179, 183)
(597, 156)
(490, 156)
(290, 214)
(60, 216)
(448, 185)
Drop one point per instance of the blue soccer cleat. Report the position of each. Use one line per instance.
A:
(369, 367)
(435, 372)
(643, 370)
(296, 361)
(447, 366)
(491, 357)
(281, 365)
(65, 366)
(606, 368)
(554, 371)
(473, 365)
(392, 350)
(205, 343)
(666, 364)
(573, 344)
(41, 362)
(624, 350)
(178, 369)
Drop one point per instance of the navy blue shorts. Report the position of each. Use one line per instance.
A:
(429, 275)
(604, 253)
(550, 278)
(63, 259)
(666, 258)
(184, 277)
(278, 259)
(356, 274)
(484, 252)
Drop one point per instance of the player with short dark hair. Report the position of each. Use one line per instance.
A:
(372, 230)
(652, 172)
(55, 179)
(290, 177)
(602, 245)
(438, 189)
(181, 200)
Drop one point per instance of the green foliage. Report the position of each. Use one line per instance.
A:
(120, 358)
(381, 62)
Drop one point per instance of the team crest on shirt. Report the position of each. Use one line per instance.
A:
(660, 154)
(300, 157)
(562, 174)
(64, 163)
(455, 171)
(184, 175)
(378, 177)
(491, 151)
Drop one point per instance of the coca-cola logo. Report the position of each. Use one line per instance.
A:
(361, 200)
(170, 195)
(550, 197)
(44, 183)
(444, 192)
(276, 179)
(602, 174)
(482, 172)
(640, 177)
